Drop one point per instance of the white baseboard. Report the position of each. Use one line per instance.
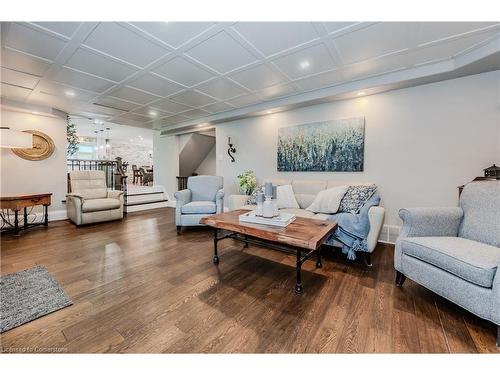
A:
(171, 203)
(389, 234)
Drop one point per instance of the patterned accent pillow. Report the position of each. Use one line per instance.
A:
(355, 197)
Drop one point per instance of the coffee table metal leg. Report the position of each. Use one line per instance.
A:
(318, 260)
(246, 241)
(298, 286)
(216, 239)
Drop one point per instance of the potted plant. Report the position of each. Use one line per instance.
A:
(247, 182)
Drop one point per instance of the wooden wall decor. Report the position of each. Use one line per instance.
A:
(43, 147)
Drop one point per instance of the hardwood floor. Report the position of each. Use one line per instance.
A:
(138, 287)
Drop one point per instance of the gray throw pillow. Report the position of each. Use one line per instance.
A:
(355, 197)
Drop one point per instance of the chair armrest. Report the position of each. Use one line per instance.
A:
(74, 195)
(116, 194)
(182, 197)
(440, 221)
(219, 200)
(237, 201)
(376, 218)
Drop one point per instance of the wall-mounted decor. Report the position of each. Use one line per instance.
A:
(231, 150)
(43, 147)
(328, 146)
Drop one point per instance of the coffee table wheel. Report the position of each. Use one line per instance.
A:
(215, 259)
(299, 289)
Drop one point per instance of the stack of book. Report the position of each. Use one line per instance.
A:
(282, 220)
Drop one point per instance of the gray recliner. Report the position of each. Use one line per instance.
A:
(204, 196)
(455, 252)
(90, 201)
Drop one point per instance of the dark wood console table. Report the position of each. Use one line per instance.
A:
(17, 203)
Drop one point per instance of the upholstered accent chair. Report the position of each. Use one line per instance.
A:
(90, 201)
(455, 252)
(204, 196)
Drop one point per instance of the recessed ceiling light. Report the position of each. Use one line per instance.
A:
(69, 93)
(304, 64)
(153, 113)
(268, 112)
(361, 93)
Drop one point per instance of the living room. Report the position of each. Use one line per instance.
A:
(255, 186)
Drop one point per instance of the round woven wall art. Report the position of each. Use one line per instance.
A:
(43, 147)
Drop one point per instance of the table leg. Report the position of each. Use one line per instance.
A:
(298, 286)
(46, 220)
(25, 218)
(16, 222)
(318, 260)
(246, 241)
(216, 239)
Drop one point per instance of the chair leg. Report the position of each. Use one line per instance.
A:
(178, 229)
(367, 259)
(400, 278)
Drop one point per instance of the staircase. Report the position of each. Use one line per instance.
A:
(138, 200)
(193, 152)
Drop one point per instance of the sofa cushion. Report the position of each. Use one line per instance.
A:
(285, 197)
(355, 197)
(199, 207)
(100, 204)
(204, 188)
(328, 201)
(299, 212)
(306, 190)
(480, 202)
(470, 260)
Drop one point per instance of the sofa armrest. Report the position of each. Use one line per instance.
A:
(421, 222)
(182, 197)
(74, 195)
(237, 201)
(376, 218)
(116, 194)
(219, 200)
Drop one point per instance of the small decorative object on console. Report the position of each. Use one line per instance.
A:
(492, 171)
(260, 201)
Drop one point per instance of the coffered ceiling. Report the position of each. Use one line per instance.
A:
(162, 74)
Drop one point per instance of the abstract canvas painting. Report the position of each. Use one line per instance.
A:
(328, 146)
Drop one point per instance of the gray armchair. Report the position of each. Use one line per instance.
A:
(203, 197)
(90, 201)
(455, 252)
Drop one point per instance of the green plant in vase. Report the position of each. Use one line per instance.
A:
(247, 182)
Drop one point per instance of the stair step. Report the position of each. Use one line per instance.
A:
(145, 202)
(146, 193)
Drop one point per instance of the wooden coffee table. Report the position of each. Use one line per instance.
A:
(303, 236)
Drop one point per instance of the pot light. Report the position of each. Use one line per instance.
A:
(153, 113)
(269, 112)
(69, 93)
(304, 64)
(361, 93)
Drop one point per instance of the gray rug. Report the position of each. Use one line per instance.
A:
(27, 295)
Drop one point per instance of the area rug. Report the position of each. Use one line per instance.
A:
(27, 295)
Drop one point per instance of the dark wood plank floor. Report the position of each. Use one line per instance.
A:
(138, 287)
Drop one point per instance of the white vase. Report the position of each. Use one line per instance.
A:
(268, 208)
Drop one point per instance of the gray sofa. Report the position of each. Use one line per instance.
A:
(204, 196)
(455, 252)
(90, 201)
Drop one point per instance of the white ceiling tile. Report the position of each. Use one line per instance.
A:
(64, 28)
(305, 62)
(174, 33)
(334, 27)
(221, 89)
(320, 80)
(111, 102)
(22, 62)
(133, 95)
(103, 110)
(277, 91)
(244, 100)
(57, 89)
(273, 37)
(170, 106)
(431, 31)
(195, 113)
(183, 72)
(98, 65)
(174, 119)
(192, 98)
(19, 79)
(156, 85)
(375, 66)
(221, 53)
(152, 113)
(256, 78)
(120, 42)
(372, 41)
(134, 117)
(38, 43)
(13, 92)
(78, 79)
(124, 121)
(218, 107)
(447, 49)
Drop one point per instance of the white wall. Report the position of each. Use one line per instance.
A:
(166, 163)
(19, 176)
(208, 165)
(420, 143)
